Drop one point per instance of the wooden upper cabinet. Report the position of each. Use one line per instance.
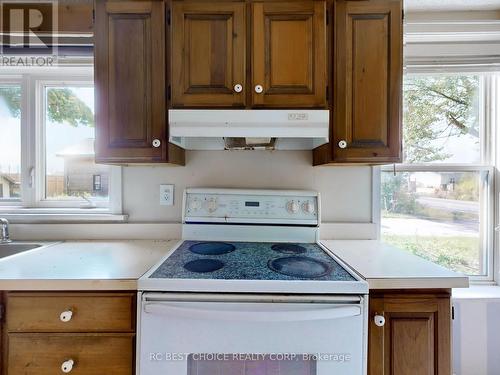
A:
(131, 123)
(289, 54)
(416, 337)
(368, 68)
(208, 54)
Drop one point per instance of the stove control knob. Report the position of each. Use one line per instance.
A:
(211, 205)
(292, 207)
(195, 204)
(308, 207)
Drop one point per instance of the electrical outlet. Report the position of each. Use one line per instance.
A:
(167, 195)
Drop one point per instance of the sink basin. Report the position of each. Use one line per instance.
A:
(13, 248)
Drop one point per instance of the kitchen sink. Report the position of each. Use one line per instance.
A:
(13, 248)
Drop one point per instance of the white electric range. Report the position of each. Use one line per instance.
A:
(250, 291)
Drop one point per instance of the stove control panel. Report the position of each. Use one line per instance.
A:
(251, 206)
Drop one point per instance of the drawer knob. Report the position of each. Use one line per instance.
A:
(259, 89)
(379, 320)
(342, 144)
(67, 366)
(156, 143)
(66, 316)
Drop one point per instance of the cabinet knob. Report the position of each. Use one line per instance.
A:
(379, 320)
(259, 89)
(67, 366)
(238, 88)
(342, 144)
(156, 143)
(66, 316)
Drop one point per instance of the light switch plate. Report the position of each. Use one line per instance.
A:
(167, 195)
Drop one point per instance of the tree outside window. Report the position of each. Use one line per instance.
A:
(432, 205)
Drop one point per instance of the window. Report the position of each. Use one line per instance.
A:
(69, 144)
(438, 204)
(47, 145)
(10, 141)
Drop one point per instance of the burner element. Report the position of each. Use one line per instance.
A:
(299, 266)
(204, 265)
(288, 248)
(211, 248)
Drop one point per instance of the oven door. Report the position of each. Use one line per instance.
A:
(244, 335)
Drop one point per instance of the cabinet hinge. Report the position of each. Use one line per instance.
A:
(327, 17)
(327, 93)
(2, 312)
(93, 16)
(168, 17)
(452, 312)
(403, 14)
(169, 92)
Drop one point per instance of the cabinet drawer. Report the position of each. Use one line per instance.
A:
(44, 354)
(38, 312)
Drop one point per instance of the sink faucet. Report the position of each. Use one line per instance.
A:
(4, 231)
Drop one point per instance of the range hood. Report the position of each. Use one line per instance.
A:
(248, 129)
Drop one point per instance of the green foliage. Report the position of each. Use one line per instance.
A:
(438, 107)
(467, 189)
(395, 195)
(65, 107)
(62, 103)
(12, 98)
(459, 253)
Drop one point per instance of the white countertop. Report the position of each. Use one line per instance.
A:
(386, 267)
(82, 265)
(117, 265)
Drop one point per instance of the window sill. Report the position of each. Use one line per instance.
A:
(58, 215)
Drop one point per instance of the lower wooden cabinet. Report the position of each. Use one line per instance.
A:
(83, 354)
(416, 336)
(80, 333)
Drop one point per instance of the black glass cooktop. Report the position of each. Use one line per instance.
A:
(250, 261)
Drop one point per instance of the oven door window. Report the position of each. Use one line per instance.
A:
(250, 364)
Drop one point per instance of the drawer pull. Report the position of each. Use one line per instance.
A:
(66, 316)
(67, 366)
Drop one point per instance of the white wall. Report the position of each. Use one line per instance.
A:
(476, 337)
(345, 191)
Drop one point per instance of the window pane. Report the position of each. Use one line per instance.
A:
(10, 143)
(69, 129)
(435, 216)
(441, 119)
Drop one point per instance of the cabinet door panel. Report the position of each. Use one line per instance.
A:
(43, 354)
(415, 339)
(289, 54)
(208, 49)
(368, 79)
(130, 81)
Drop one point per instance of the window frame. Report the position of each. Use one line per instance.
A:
(487, 168)
(33, 83)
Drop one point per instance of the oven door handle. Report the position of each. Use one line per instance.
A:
(267, 315)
